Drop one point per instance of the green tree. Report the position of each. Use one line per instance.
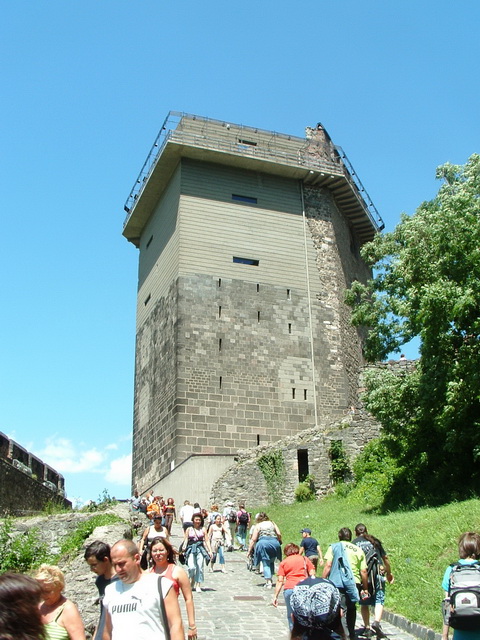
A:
(427, 284)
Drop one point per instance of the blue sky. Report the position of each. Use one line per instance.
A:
(85, 88)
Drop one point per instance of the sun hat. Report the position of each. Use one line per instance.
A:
(315, 603)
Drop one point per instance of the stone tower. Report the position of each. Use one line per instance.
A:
(247, 241)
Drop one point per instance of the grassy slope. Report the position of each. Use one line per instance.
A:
(420, 544)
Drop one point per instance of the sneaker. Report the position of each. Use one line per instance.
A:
(223, 570)
(377, 629)
(268, 585)
(198, 589)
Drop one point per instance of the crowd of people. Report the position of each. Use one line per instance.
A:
(139, 584)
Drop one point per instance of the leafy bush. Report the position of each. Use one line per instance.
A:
(374, 474)
(105, 501)
(305, 490)
(20, 552)
(340, 466)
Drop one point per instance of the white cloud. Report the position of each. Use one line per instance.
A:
(64, 456)
(111, 446)
(120, 471)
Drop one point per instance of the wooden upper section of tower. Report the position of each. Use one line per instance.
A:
(314, 160)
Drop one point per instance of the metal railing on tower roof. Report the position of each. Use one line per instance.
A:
(276, 147)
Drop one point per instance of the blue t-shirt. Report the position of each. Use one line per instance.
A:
(458, 634)
(310, 546)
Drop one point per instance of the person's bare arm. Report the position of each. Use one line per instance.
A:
(320, 555)
(174, 618)
(252, 541)
(364, 579)
(107, 630)
(388, 569)
(184, 583)
(207, 541)
(278, 588)
(72, 621)
(277, 531)
(326, 569)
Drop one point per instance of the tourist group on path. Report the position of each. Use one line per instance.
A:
(139, 586)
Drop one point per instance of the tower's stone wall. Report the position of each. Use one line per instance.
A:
(155, 402)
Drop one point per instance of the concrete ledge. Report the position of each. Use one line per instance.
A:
(413, 628)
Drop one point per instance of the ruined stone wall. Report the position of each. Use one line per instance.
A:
(245, 481)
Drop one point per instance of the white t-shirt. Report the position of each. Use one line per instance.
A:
(135, 608)
(186, 512)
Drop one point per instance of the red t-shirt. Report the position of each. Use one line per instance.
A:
(295, 569)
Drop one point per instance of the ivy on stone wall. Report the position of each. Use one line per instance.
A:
(340, 466)
(272, 466)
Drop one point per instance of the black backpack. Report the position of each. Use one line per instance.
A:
(464, 596)
(373, 564)
(243, 517)
(232, 516)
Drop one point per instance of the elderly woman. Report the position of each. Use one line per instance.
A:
(60, 616)
(316, 613)
(265, 544)
(291, 571)
(19, 614)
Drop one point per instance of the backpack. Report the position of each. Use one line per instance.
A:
(464, 596)
(232, 516)
(373, 564)
(243, 517)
